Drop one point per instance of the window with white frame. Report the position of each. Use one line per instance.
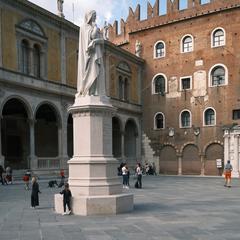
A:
(218, 76)
(159, 121)
(185, 83)
(185, 119)
(209, 117)
(236, 114)
(159, 49)
(159, 86)
(218, 37)
(187, 44)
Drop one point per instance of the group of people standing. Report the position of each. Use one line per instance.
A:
(124, 171)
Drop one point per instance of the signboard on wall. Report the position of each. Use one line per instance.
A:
(219, 163)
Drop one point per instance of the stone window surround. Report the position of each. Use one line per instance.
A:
(155, 49)
(154, 121)
(124, 72)
(212, 37)
(181, 88)
(215, 117)
(153, 83)
(180, 119)
(32, 40)
(182, 44)
(210, 75)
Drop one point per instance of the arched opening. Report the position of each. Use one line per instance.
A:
(213, 152)
(168, 162)
(130, 141)
(15, 134)
(46, 132)
(70, 136)
(116, 138)
(191, 163)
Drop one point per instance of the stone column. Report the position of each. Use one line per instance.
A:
(60, 146)
(64, 157)
(179, 164)
(93, 180)
(122, 146)
(202, 159)
(33, 158)
(226, 146)
(235, 160)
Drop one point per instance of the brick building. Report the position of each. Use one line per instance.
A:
(190, 88)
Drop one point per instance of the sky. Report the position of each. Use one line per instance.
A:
(107, 10)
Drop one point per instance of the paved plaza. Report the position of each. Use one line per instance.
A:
(167, 208)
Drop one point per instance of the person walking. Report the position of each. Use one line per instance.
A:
(228, 174)
(67, 195)
(35, 192)
(138, 183)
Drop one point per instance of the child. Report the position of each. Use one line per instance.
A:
(67, 195)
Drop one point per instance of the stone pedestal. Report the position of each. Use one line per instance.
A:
(93, 179)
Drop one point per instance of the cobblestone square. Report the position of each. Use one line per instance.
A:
(167, 208)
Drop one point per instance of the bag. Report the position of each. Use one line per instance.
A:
(136, 184)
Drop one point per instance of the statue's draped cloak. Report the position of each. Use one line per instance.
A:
(90, 56)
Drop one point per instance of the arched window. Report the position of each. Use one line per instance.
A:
(187, 44)
(218, 37)
(36, 60)
(31, 46)
(159, 122)
(125, 89)
(209, 117)
(218, 76)
(120, 87)
(159, 50)
(185, 119)
(24, 57)
(159, 86)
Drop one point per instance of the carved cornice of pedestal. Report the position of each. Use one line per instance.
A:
(95, 113)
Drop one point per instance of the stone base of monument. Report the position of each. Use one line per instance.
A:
(93, 180)
(97, 205)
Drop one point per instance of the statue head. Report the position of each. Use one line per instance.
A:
(90, 16)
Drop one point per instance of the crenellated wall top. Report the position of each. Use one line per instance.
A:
(134, 24)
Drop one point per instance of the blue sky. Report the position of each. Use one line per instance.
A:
(107, 10)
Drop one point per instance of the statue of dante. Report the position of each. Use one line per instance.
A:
(90, 64)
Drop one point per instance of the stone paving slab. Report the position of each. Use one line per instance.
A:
(167, 208)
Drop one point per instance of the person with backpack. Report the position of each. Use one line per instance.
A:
(228, 172)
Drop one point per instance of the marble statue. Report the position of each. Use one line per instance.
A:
(90, 63)
(60, 7)
(138, 48)
(105, 31)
